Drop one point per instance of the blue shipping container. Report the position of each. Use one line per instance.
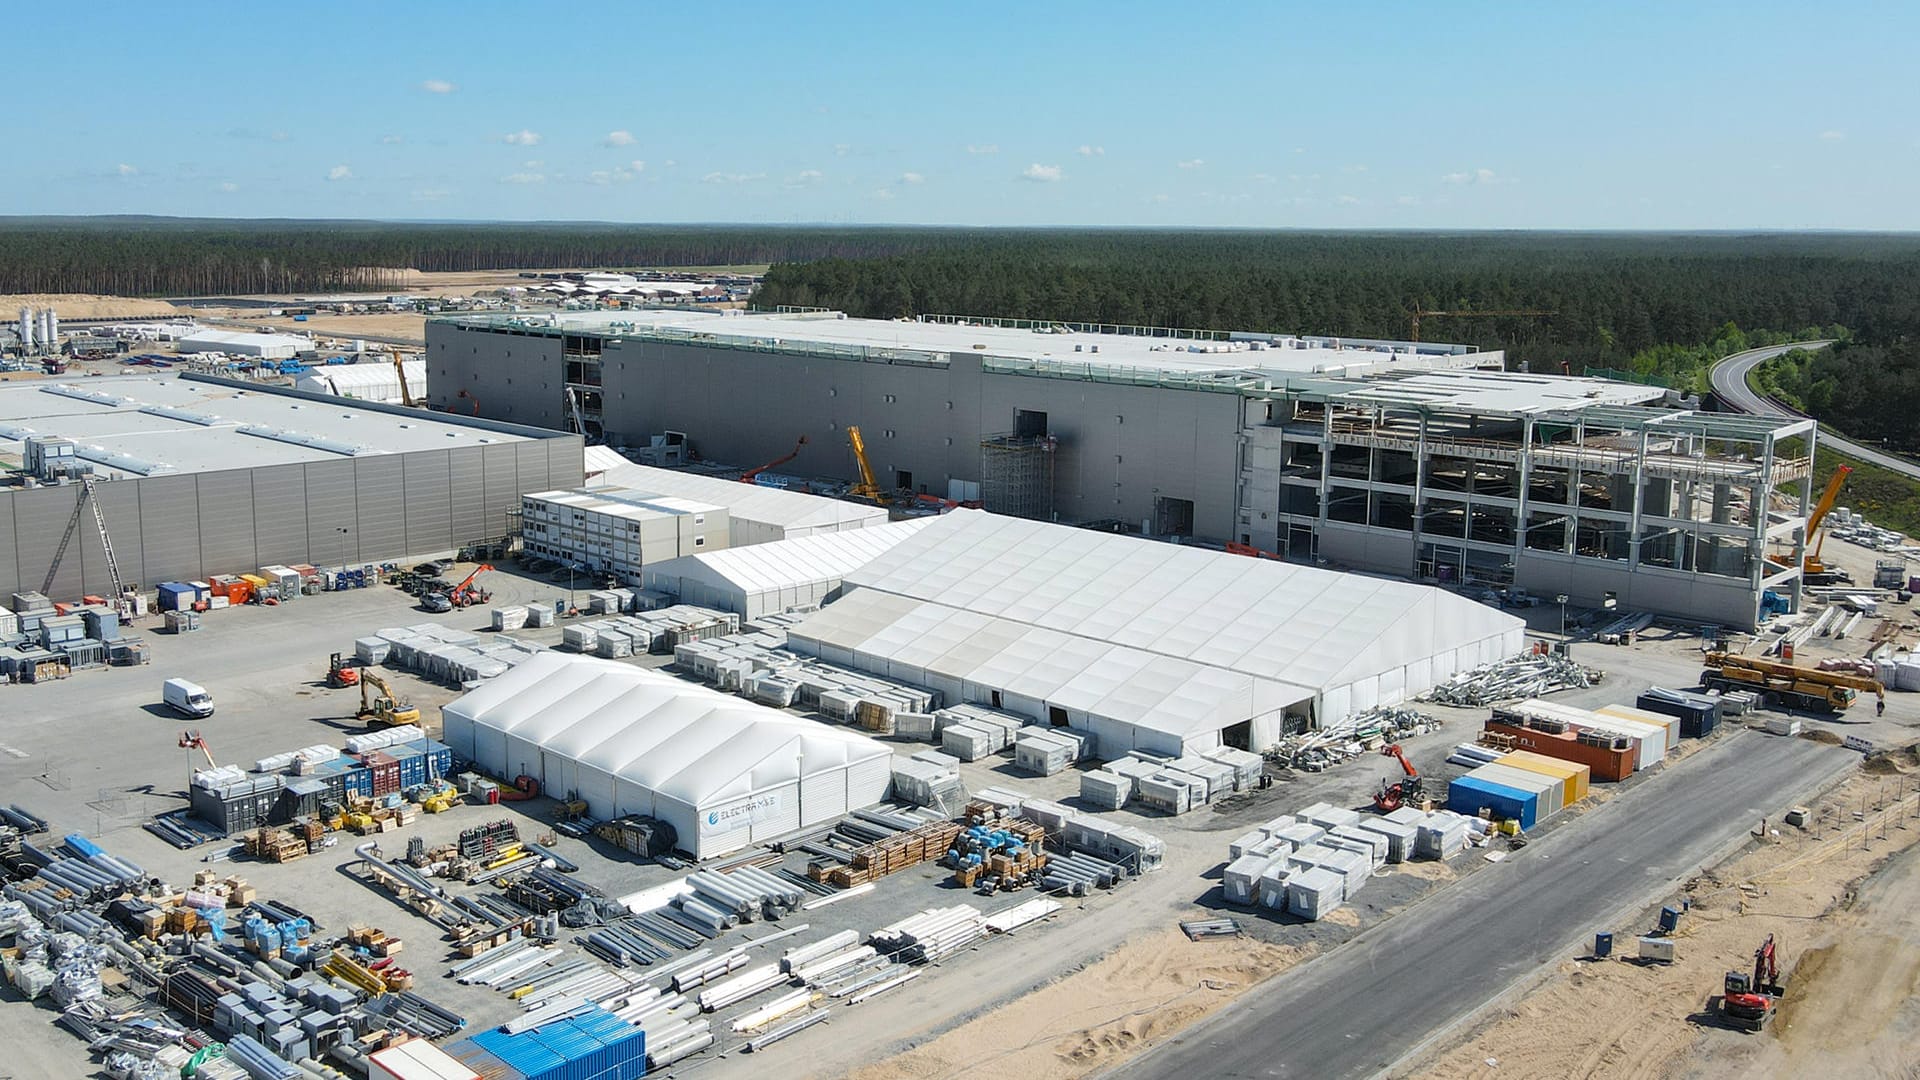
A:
(175, 596)
(1469, 794)
(596, 1045)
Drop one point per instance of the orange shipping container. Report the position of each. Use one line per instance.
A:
(1606, 764)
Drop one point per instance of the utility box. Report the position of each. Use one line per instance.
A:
(1657, 950)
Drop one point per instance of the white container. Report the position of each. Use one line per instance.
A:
(1300, 834)
(1246, 842)
(1105, 790)
(580, 638)
(1400, 837)
(966, 742)
(1164, 793)
(1332, 817)
(509, 618)
(1273, 885)
(540, 615)
(1241, 882)
(1314, 893)
(1373, 843)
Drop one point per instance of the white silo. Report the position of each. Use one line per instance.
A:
(49, 332)
(26, 330)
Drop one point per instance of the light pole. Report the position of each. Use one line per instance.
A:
(342, 530)
(1562, 601)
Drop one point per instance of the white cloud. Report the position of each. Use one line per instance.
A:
(883, 194)
(523, 137)
(1192, 163)
(671, 163)
(1160, 198)
(1348, 200)
(803, 178)
(621, 175)
(1043, 174)
(1091, 151)
(618, 138)
(841, 149)
(339, 172)
(732, 178)
(913, 178)
(438, 86)
(1263, 178)
(1477, 176)
(524, 178)
(535, 164)
(639, 166)
(1833, 136)
(1407, 200)
(391, 140)
(984, 148)
(125, 169)
(229, 186)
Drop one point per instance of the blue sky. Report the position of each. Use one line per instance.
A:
(1329, 114)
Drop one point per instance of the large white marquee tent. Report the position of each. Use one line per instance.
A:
(805, 571)
(1285, 640)
(723, 771)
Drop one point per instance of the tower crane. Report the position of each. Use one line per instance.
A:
(88, 499)
(747, 477)
(866, 488)
(1417, 314)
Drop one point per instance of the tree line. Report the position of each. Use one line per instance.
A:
(1870, 391)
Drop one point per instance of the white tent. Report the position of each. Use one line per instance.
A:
(366, 382)
(778, 576)
(1354, 641)
(756, 514)
(724, 772)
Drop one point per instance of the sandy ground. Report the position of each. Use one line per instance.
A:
(1143, 992)
(410, 327)
(1851, 969)
(85, 306)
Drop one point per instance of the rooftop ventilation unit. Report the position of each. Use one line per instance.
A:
(113, 459)
(17, 432)
(70, 391)
(301, 438)
(186, 416)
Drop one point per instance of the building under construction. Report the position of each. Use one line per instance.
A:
(1415, 459)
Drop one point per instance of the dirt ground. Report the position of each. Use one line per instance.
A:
(410, 327)
(86, 306)
(1141, 993)
(1852, 967)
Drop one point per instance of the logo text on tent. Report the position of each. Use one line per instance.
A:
(743, 813)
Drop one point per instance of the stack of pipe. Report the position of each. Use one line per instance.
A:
(1075, 873)
(931, 934)
(741, 987)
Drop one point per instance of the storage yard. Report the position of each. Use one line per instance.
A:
(970, 790)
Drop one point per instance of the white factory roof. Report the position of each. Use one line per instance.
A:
(748, 502)
(208, 339)
(601, 458)
(1098, 354)
(784, 564)
(1499, 392)
(625, 503)
(1282, 622)
(141, 425)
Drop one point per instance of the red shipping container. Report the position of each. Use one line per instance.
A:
(1609, 765)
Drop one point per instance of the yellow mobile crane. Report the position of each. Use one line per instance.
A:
(1811, 565)
(1789, 684)
(387, 710)
(866, 488)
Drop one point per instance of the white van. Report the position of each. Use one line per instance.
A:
(188, 699)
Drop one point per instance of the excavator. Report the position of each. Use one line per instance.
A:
(1787, 684)
(387, 710)
(748, 476)
(1749, 1000)
(1409, 790)
(866, 488)
(1812, 570)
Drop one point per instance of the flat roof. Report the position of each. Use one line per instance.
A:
(166, 425)
(1051, 348)
(214, 336)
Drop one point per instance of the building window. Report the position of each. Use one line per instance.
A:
(699, 541)
(889, 399)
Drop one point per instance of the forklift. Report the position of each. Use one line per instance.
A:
(341, 674)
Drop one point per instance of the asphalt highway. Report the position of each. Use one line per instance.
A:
(1730, 386)
(1363, 1007)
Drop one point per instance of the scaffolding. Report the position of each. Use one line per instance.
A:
(1016, 475)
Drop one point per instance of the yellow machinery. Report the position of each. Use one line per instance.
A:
(406, 393)
(866, 488)
(1812, 564)
(386, 710)
(1788, 684)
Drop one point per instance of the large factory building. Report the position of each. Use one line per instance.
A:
(1420, 460)
(198, 476)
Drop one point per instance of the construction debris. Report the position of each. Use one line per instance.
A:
(1528, 675)
(1363, 733)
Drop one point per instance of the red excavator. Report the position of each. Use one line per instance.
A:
(747, 477)
(1393, 796)
(1749, 1000)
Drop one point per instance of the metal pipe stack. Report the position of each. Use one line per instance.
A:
(931, 934)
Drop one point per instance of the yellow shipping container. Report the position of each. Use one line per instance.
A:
(1575, 776)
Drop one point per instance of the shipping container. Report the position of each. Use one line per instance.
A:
(1611, 760)
(1470, 796)
(1645, 716)
(1698, 713)
(1575, 776)
(1552, 790)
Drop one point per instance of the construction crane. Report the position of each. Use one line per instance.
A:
(1788, 684)
(88, 499)
(400, 371)
(747, 477)
(573, 406)
(1417, 314)
(1811, 565)
(1409, 790)
(469, 397)
(866, 488)
(466, 593)
(387, 710)
(1749, 1000)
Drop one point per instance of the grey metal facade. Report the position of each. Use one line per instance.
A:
(366, 509)
(1123, 446)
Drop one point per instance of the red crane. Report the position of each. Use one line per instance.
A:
(747, 477)
(470, 397)
(1393, 796)
(466, 593)
(1749, 1000)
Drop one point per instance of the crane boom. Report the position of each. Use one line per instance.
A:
(747, 477)
(866, 488)
(1811, 563)
(400, 370)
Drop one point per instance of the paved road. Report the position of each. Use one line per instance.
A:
(1358, 1010)
(1730, 385)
